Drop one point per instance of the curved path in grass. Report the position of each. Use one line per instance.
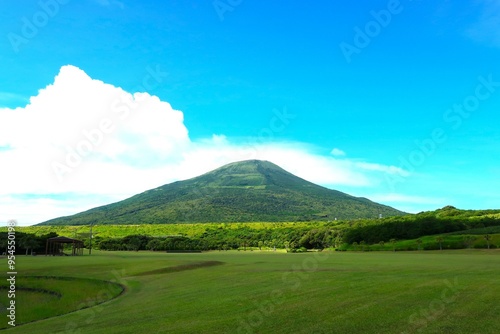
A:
(44, 297)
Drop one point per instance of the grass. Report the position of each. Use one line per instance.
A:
(267, 292)
(40, 297)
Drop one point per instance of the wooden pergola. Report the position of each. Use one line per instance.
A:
(55, 246)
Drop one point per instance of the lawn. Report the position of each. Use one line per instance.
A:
(267, 292)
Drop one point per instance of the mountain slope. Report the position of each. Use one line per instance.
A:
(244, 191)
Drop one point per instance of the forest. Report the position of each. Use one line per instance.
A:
(451, 227)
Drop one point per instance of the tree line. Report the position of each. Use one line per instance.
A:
(26, 243)
(349, 234)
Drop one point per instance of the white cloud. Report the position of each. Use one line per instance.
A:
(219, 140)
(337, 152)
(83, 136)
(382, 168)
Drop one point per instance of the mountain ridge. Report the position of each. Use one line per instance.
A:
(245, 191)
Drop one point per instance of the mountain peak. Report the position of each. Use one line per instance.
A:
(245, 165)
(247, 174)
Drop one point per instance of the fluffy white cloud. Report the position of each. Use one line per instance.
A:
(82, 135)
(81, 143)
(337, 152)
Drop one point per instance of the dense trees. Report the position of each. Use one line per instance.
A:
(26, 243)
(29, 241)
(358, 234)
(416, 226)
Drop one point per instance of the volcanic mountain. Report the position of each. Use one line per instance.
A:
(246, 191)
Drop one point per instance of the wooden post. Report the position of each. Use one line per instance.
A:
(90, 239)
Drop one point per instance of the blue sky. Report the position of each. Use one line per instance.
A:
(397, 101)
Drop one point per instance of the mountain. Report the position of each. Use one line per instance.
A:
(247, 191)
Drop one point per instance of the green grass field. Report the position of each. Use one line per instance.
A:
(261, 292)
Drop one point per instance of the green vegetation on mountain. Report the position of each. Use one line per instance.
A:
(248, 191)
